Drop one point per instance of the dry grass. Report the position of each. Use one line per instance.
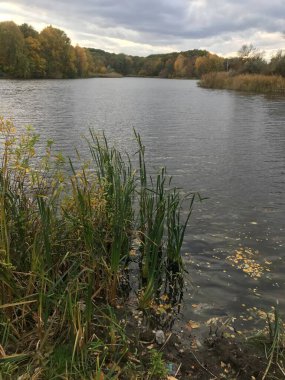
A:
(245, 82)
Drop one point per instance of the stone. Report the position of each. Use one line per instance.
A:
(159, 337)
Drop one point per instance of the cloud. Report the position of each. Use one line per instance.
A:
(145, 26)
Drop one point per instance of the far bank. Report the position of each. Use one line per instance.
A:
(244, 82)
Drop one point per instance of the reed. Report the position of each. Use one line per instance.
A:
(162, 228)
(245, 82)
(270, 341)
(65, 239)
(117, 177)
(274, 349)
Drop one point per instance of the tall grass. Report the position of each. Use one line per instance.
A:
(271, 342)
(245, 82)
(161, 232)
(65, 241)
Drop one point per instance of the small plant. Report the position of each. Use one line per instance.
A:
(157, 366)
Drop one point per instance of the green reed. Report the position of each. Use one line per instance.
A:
(275, 346)
(117, 177)
(269, 343)
(162, 229)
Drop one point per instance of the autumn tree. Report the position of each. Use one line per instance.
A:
(180, 66)
(81, 61)
(36, 63)
(25, 53)
(59, 54)
(184, 66)
(209, 63)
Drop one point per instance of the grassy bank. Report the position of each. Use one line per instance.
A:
(245, 82)
(68, 240)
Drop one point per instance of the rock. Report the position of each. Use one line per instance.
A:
(159, 337)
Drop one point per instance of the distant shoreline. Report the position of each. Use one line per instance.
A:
(108, 75)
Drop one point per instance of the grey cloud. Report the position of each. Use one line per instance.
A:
(167, 17)
(160, 22)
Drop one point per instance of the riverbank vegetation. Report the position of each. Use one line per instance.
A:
(244, 82)
(249, 72)
(72, 240)
(91, 271)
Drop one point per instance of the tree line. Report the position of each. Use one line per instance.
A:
(26, 53)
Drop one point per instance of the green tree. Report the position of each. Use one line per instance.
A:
(12, 50)
(121, 63)
(251, 60)
(28, 31)
(152, 66)
(98, 60)
(277, 63)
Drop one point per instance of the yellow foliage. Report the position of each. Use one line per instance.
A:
(209, 63)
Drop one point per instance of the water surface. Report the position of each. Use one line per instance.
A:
(228, 146)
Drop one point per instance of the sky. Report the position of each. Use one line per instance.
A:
(143, 27)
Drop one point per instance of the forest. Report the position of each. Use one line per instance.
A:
(26, 53)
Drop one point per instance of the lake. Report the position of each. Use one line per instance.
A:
(228, 146)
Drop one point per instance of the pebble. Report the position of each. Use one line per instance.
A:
(159, 337)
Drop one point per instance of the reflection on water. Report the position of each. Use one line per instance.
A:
(228, 146)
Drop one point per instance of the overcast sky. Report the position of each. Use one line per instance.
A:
(142, 27)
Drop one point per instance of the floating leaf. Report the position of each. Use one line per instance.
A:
(245, 259)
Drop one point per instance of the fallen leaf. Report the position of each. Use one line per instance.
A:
(192, 325)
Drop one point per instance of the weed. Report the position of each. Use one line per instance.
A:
(157, 366)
